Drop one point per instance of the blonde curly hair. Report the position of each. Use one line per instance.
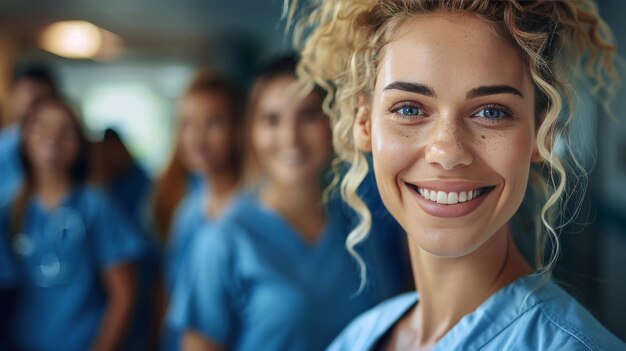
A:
(342, 42)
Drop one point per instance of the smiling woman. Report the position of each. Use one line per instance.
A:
(75, 254)
(456, 101)
(436, 93)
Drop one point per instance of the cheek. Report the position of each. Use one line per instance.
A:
(394, 150)
(220, 141)
(30, 146)
(186, 141)
(319, 137)
(262, 140)
(510, 156)
(71, 149)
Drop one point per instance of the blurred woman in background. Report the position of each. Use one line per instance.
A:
(210, 142)
(31, 82)
(274, 274)
(72, 254)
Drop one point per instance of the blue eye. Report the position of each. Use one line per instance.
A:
(493, 113)
(408, 111)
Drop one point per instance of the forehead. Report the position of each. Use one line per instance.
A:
(32, 84)
(277, 91)
(282, 94)
(451, 51)
(208, 99)
(51, 113)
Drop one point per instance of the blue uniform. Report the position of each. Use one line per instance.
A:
(60, 257)
(10, 164)
(529, 314)
(130, 191)
(256, 285)
(188, 219)
(190, 222)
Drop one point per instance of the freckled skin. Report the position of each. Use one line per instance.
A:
(452, 58)
(454, 135)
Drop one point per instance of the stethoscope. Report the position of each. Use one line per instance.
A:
(51, 259)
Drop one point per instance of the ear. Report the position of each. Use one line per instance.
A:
(361, 130)
(535, 157)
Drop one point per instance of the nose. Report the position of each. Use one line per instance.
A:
(50, 136)
(447, 144)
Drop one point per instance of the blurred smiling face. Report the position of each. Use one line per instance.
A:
(291, 136)
(206, 134)
(451, 127)
(52, 140)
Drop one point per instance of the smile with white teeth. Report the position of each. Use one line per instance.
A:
(451, 198)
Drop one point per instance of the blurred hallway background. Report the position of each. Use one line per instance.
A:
(140, 73)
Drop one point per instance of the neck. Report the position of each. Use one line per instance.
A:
(300, 204)
(222, 183)
(51, 186)
(222, 186)
(451, 288)
(292, 198)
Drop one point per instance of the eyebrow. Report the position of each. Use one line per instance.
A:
(493, 90)
(423, 89)
(417, 88)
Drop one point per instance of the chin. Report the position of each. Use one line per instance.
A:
(448, 242)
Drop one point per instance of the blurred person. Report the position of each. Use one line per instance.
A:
(465, 108)
(71, 252)
(122, 177)
(274, 274)
(124, 181)
(210, 143)
(31, 82)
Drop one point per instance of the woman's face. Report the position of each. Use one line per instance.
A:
(52, 141)
(451, 130)
(206, 132)
(291, 136)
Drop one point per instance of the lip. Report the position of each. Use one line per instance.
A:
(448, 211)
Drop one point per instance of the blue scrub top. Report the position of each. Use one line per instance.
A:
(180, 262)
(130, 191)
(60, 258)
(8, 270)
(188, 219)
(256, 285)
(10, 164)
(532, 313)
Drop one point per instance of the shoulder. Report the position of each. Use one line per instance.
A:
(191, 200)
(92, 201)
(367, 329)
(553, 319)
(216, 239)
(188, 211)
(573, 323)
(226, 238)
(9, 137)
